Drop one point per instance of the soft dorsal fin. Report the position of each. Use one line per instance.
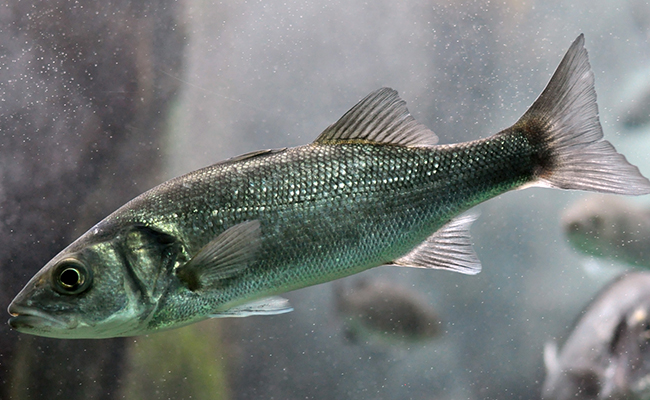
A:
(381, 117)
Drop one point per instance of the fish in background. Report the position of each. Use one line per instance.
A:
(387, 312)
(634, 114)
(607, 354)
(637, 114)
(373, 189)
(609, 227)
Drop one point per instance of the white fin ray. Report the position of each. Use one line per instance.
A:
(449, 248)
(265, 306)
(381, 117)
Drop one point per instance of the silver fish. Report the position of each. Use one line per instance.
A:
(373, 189)
(609, 227)
(382, 311)
(607, 354)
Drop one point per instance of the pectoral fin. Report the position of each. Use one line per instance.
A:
(264, 306)
(450, 247)
(225, 256)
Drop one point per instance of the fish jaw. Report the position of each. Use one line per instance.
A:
(26, 317)
(37, 322)
(32, 320)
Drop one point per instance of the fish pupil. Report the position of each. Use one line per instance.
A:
(70, 278)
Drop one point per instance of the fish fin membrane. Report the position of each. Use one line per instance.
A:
(449, 248)
(381, 117)
(227, 255)
(565, 118)
(265, 306)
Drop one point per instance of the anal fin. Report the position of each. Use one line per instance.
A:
(265, 306)
(448, 248)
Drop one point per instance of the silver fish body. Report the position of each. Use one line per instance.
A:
(373, 189)
(609, 227)
(607, 353)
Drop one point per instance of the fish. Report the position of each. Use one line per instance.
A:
(607, 353)
(611, 228)
(373, 189)
(637, 115)
(388, 312)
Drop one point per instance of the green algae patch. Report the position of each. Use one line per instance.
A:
(186, 363)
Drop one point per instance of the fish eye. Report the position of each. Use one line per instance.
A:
(71, 277)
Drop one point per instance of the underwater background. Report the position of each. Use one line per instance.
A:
(102, 101)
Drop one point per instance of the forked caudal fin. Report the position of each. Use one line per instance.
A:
(564, 119)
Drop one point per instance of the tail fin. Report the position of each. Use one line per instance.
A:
(565, 120)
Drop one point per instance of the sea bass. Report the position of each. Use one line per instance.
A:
(373, 189)
(607, 354)
(609, 227)
(384, 312)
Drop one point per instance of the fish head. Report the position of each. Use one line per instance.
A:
(575, 382)
(588, 233)
(99, 287)
(629, 352)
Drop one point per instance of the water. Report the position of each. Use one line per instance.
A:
(275, 74)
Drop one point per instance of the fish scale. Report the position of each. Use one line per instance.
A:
(373, 189)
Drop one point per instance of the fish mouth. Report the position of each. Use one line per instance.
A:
(27, 319)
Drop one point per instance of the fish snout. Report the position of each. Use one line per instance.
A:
(24, 318)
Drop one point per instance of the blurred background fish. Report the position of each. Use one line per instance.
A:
(386, 312)
(607, 354)
(636, 115)
(609, 227)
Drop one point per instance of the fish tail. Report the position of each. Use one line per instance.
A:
(563, 124)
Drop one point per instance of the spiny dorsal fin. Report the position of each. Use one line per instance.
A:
(252, 154)
(381, 117)
(225, 256)
(450, 248)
